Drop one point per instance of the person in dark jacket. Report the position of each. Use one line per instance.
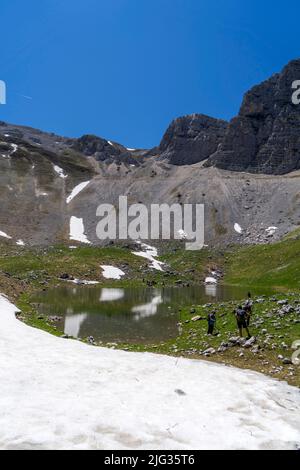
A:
(211, 320)
(248, 308)
(241, 318)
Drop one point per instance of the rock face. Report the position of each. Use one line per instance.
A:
(86, 146)
(192, 139)
(102, 150)
(265, 136)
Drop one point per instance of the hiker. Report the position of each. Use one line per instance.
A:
(241, 317)
(248, 308)
(211, 319)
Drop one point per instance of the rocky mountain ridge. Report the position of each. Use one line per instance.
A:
(249, 185)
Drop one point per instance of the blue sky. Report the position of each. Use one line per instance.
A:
(123, 69)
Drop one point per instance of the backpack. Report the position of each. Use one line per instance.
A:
(241, 313)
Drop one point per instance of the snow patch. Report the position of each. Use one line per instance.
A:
(183, 235)
(60, 172)
(211, 280)
(271, 230)
(77, 230)
(20, 243)
(150, 253)
(111, 272)
(4, 235)
(14, 148)
(58, 394)
(80, 282)
(80, 187)
(238, 228)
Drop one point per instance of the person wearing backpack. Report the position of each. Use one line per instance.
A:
(241, 317)
(248, 308)
(211, 319)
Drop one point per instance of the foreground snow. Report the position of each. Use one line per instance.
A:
(62, 394)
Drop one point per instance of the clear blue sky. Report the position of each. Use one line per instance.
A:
(123, 69)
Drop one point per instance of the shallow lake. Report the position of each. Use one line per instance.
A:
(129, 315)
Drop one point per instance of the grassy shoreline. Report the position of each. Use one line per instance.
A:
(24, 272)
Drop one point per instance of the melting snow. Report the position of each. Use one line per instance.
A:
(183, 235)
(111, 272)
(81, 282)
(211, 280)
(63, 394)
(80, 187)
(271, 230)
(14, 148)
(60, 172)
(238, 228)
(40, 193)
(150, 253)
(77, 230)
(20, 243)
(4, 235)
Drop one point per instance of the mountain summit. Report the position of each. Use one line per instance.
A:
(265, 136)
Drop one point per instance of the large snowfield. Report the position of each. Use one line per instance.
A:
(63, 394)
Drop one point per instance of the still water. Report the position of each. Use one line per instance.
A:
(129, 315)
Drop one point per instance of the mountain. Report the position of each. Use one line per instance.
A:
(265, 136)
(192, 139)
(244, 172)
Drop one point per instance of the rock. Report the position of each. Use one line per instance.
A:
(191, 139)
(64, 276)
(286, 310)
(54, 319)
(209, 352)
(282, 302)
(234, 339)
(264, 137)
(250, 342)
(287, 361)
(180, 392)
(102, 150)
(197, 318)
